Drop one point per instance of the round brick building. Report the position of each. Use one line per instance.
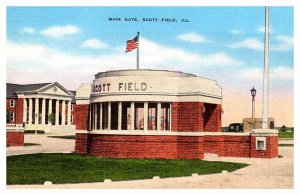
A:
(151, 114)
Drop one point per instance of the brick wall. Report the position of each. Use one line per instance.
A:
(189, 117)
(17, 110)
(81, 116)
(137, 146)
(271, 148)
(240, 146)
(14, 138)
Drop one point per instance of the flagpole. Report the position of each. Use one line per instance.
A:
(137, 51)
(265, 124)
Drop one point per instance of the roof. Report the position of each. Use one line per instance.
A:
(11, 88)
(143, 72)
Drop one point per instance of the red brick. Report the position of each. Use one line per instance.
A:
(81, 116)
(14, 138)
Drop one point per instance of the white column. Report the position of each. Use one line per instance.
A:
(170, 115)
(24, 110)
(95, 115)
(132, 116)
(43, 111)
(49, 110)
(109, 116)
(101, 113)
(145, 116)
(158, 116)
(30, 111)
(119, 116)
(69, 112)
(36, 113)
(90, 116)
(57, 112)
(63, 113)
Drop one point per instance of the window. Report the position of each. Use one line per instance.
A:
(152, 116)
(72, 107)
(165, 116)
(260, 143)
(105, 115)
(126, 116)
(12, 117)
(12, 103)
(139, 116)
(114, 116)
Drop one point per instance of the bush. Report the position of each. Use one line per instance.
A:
(51, 118)
(33, 131)
(283, 128)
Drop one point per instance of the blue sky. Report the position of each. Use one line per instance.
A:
(221, 43)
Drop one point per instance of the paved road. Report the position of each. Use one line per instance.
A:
(262, 173)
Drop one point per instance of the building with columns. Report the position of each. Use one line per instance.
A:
(32, 104)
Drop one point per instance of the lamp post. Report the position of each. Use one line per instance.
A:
(253, 93)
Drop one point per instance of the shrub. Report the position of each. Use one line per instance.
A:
(33, 131)
(283, 128)
(51, 118)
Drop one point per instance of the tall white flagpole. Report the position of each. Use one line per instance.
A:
(265, 124)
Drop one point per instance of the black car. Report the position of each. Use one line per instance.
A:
(235, 127)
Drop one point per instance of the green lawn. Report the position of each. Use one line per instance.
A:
(63, 136)
(286, 134)
(74, 168)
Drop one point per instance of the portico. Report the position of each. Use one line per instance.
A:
(45, 106)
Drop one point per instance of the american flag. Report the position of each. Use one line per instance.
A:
(132, 44)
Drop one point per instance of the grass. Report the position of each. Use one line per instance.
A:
(282, 134)
(75, 168)
(31, 144)
(63, 136)
(286, 145)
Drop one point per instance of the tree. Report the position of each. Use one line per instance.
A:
(9, 116)
(283, 128)
(51, 118)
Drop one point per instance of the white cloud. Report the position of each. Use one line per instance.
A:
(60, 31)
(250, 43)
(235, 32)
(276, 73)
(37, 63)
(284, 43)
(192, 37)
(28, 30)
(94, 44)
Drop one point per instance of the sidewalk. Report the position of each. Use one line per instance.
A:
(47, 145)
